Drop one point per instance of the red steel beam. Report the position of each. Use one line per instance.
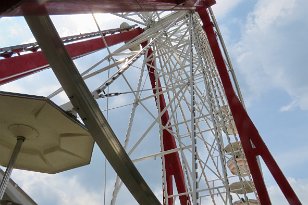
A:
(55, 7)
(173, 165)
(248, 133)
(19, 66)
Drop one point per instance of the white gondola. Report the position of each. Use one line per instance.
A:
(234, 148)
(229, 122)
(125, 25)
(243, 187)
(241, 163)
(238, 159)
(246, 202)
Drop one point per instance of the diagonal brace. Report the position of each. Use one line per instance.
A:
(88, 109)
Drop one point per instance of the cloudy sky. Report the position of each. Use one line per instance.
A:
(267, 41)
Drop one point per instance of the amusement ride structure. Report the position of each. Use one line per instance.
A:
(167, 78)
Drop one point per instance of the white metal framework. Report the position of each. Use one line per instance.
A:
(214, 166)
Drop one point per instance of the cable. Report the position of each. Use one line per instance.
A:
(107, 112)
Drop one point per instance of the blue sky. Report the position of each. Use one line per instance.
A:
(267, 41)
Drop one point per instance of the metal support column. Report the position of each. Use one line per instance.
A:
(10, 166)
(172, 161)
(248, 133)
(88, 109)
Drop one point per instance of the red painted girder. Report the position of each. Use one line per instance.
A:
(55, 7)
(7, 52)
(19, 66)
(173, 165)
(248, 133)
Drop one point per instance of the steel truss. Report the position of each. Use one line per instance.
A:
(195, 125)
(190, 102)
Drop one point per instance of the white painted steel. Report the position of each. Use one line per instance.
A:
(195, 101)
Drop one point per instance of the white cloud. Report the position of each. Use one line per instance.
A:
(11, 28)
(289, 106)
(84, 23)
(56, 189)
(60, 189)
(289, 159)
(36, 84)
(223, 7)
(10, 87)
(300, 187)
(272, 50)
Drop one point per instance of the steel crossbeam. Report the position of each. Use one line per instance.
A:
(8, 52)
(56, 7)
(19, 66)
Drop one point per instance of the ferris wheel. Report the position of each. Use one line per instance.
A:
(193, 113)
(169, 93)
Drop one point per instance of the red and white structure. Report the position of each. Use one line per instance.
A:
(182, 113)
